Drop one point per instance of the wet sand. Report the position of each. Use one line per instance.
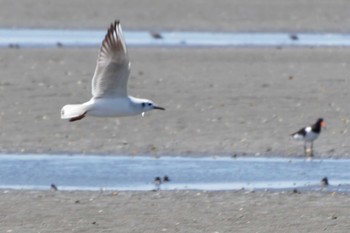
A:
(229, 15)
(229, 101)
(224, 212)
(219, 101)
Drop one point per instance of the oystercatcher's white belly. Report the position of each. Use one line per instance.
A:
(311, 136)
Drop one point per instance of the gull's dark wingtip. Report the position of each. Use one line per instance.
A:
(113, 26)
(117, 21)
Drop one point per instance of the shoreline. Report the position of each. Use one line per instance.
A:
(183, 155)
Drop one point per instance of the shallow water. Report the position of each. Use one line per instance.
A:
(92, 38)
(138, 173)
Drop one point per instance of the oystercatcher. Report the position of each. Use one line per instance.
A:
(309, 134)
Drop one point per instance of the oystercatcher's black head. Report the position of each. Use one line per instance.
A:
(320, 121)
(318, 125)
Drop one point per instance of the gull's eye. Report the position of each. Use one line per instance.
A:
(143, 105)
(149, 104)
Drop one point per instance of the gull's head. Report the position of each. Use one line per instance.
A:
(148, 105)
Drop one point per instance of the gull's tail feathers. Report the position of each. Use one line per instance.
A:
(73, 112)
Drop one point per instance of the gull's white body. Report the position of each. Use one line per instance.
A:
(105, 107)
(109, 84)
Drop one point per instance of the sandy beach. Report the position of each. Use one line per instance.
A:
(227, 15)
(185, 211)
(228, 101)
(218, 101)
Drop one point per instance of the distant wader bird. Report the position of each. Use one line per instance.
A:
(309, 134)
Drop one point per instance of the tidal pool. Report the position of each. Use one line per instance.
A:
(138, 173)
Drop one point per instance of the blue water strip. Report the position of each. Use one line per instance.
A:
(49, 38)
(138, 173)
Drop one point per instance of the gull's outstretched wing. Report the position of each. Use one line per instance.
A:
(113, 65)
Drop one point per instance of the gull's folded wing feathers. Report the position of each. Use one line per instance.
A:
(113, 65)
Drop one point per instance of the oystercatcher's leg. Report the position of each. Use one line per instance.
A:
(305, 149)
(312, 149)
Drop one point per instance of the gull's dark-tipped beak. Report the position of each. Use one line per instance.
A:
(159, 108)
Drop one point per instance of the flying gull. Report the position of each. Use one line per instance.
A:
(109, 84)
